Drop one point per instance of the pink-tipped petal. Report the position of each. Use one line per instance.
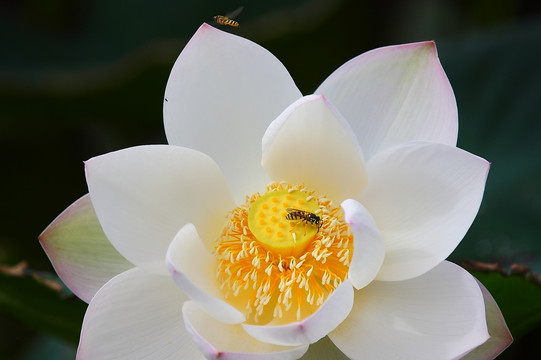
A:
(438, 315)
(136, 316)
(222, 93)
(395, 94)
(193, 268)
(500, 337)
(80, 252)
(310, 143)
(423, 196)
(368, 249)
(311, 329)
(217, 340)
(144, 195)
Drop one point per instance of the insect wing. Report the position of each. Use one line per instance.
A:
(235, 13)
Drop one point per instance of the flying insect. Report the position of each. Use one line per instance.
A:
(227, 20)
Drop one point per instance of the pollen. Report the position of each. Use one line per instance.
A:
(281, 254)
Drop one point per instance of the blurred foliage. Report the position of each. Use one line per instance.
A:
(40, 303)
(518, 294)
(79, 78)
(496, 77)
(523, 309)
(42, 307)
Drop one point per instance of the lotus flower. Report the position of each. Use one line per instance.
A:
(332, 233)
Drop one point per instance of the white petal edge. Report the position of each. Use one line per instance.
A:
(193, 268)
(311, 329)
(368, 248)
(395, 94)
(230, 342)
(143, 195)
(500, 337)
(310, 143)
(222, 93)
(423, 196)
(438, 315)
(136, 315)
(80, 252)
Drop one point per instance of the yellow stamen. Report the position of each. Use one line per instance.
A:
(280, 270)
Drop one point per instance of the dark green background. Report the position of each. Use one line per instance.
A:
(81, 78)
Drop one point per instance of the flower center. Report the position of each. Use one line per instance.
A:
(284, 221)
(282, 254)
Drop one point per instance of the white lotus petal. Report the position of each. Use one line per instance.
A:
(80, 252)
(310, 143)
(136, 315)
(395, 94)
(230, 342)
(309, 330)
(222, 93)
(438, 315)
(193, 268)
(144, 195)
(424, 197)
(500, 337)
(368, 248)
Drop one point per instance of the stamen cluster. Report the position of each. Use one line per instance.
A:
(269, 286)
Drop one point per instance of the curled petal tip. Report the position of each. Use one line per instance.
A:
(206, 26)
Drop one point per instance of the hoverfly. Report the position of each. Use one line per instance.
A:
(306, 216)
(228, 19)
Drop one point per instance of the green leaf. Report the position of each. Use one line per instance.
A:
(518, 294)
(324, 349)
(39, 303)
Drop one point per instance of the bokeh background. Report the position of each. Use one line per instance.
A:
(79, 78)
